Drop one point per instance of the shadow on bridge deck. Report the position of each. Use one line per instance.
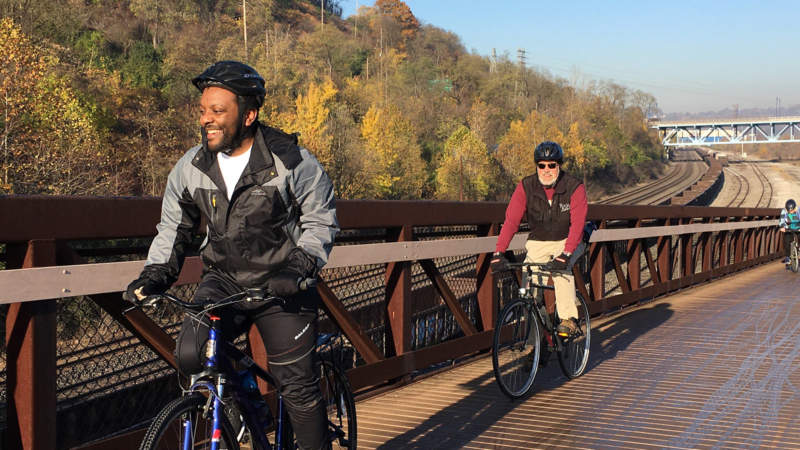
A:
(713, 366)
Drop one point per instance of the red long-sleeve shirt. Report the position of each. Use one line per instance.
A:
(578, 208)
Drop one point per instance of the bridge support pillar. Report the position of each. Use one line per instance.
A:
(31, 362)
(485, 283)
(398, 298)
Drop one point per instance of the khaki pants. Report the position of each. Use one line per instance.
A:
(542, 252)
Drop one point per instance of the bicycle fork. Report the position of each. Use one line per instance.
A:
(216, 391)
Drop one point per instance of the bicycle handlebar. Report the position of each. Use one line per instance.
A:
(253, 295)
(541, 266)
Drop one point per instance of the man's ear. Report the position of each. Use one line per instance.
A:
(250, 117)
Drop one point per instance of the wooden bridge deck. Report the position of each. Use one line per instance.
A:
(714, 366)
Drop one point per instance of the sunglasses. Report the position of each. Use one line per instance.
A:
(549, 166)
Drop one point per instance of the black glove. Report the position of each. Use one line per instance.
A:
(148, 287)
(499, 263)
(558, 264)
(151, 281)
(284, 283)
(301, 263)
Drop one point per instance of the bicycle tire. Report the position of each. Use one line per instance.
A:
(516, 348)
(166, 430)
(794, 258)
(340, 405)
(574, 350)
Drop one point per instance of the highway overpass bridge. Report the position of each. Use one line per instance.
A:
(759, 130)
(695, 342)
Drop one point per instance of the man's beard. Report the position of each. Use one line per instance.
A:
(552, 183)
(229, 143)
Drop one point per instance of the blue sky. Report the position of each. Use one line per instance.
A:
(693, 56)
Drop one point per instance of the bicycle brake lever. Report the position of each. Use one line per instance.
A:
(307, 283)
(254, 295)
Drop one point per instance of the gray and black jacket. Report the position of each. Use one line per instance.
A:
(282, 203)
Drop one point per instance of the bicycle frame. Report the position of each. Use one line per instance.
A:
(527, 289)
(217, 367)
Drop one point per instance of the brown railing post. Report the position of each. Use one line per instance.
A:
(31, 362)
(664, 247)
(485, 282)
(687, 255)
(597, 268)
(635, 259)
(738, 248)
(398, 297)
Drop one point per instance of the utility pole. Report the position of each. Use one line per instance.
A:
(322, 14)
(355, 22)
(519, 83)
(244, 20)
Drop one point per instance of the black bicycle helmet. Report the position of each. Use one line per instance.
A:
(234, 76)
(790, 204)
(548, 151)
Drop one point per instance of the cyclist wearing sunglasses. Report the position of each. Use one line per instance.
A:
(554, 205)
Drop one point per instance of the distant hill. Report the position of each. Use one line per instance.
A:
(793, 110)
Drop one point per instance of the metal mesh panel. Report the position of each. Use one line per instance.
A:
(107, 381)
(362, 290)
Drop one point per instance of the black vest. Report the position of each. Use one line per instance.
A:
(549, 222)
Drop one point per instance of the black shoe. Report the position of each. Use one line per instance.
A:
(568, 327)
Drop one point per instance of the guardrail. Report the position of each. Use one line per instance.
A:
(396, 263)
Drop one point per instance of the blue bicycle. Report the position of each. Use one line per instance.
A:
(219, 409)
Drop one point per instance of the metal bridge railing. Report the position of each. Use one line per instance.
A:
(408, 283)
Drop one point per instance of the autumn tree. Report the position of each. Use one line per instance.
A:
(312, 111)
(401, 13)
(23, 68)
(515, 151)
(395, 169)
(464, 173)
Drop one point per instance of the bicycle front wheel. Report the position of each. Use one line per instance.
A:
(795, 258)
(516, 348)
(574, 352)
(169, 429)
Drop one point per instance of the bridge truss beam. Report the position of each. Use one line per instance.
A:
(758, 131)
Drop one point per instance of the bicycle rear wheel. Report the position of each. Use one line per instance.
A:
(516, 348)
(340, 406)
(167, 430)
(574, 352)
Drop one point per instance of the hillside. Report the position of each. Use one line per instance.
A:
(100, 101)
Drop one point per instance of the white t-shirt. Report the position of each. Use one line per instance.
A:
(232, 168)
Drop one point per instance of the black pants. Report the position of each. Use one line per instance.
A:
(788, 235)
(289, 334)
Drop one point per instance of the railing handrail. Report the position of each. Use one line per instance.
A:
(74, 218)
(41, 283)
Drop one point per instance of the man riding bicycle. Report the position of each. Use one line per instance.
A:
(789, 225)
(554, 205)
(271, 221)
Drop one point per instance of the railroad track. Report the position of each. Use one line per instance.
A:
(750, 193)
(742, 187)
(766, 188)
(680, 177)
